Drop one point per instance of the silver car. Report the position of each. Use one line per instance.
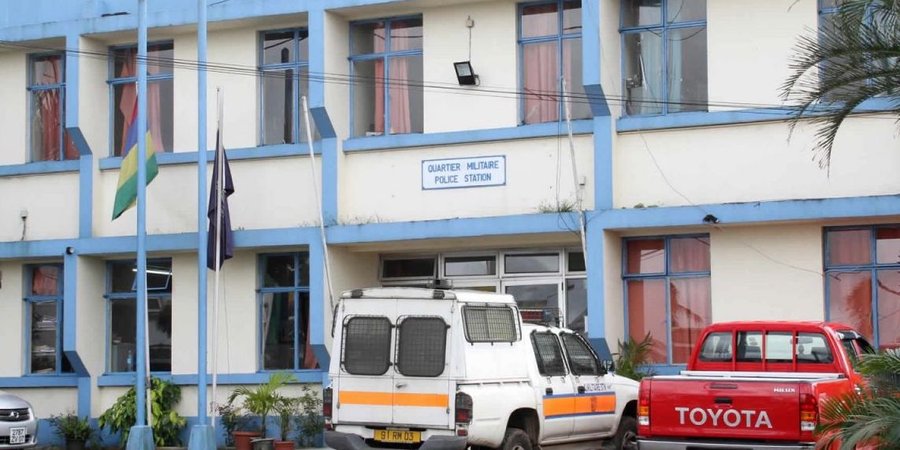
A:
(18, 426)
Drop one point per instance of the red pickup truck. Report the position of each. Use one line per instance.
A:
(750, 385)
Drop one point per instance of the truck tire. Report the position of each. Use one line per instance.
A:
(626, 434)
(515, 439)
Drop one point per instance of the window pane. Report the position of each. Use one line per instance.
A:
(122, 275)
(643, 73)
(691, 311)
(46, 124)
(532, 263)
(45, 280)
(572, 17)
(813, 348)
(888, 309)
(576, 261)
(647, 314)
(423, 347)
(278, 107)
(367, 38)
(749, 346)
(367, 345)
(489, 324)
(540, 20)
(716, 348)
(578, 103)
(278, 47)
(645, 256)
(368, 98)
(887, 245)
(576, 304)
(278, 330)
(44, 325)
(548, 354)
(159, 276)
(540, 82)
(408, 268)
(470, 265)
(581, 359)
(279, 271)
(122, 315)
(850, 300)
(779, 347)
(687, 69)
(849, 247)
(46, 69)
(689, 254)
(159, 116)
(686, 10)
(406, 34)
(641, 12)
(406, 99)
(159, 312)
(535, 296)
(160, 59)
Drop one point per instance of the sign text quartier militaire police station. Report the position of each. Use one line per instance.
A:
(464, 172)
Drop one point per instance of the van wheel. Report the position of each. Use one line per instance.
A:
(515, 439)
(626, 434)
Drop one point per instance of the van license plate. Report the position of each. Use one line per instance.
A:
(398, 436)
(17, 435)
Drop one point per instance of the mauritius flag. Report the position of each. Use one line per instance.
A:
(126, 189)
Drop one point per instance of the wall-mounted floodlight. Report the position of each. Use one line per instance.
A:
(465, 74)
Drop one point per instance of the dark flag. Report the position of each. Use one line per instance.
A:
(226, 238)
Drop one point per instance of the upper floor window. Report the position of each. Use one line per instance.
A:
(160, 96)
(550, 52)
(284, 312)
(386, 68)
(44, 304)
(121, 313)
(667, 293)
(47, 89)
(862, 281)
(284, 68)
(664, 51)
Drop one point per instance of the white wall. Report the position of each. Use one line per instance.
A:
(12, 308)
(238, 316)
(49, 401)
(14, 113)
(93, 96)
(349, 270)
(51, 203)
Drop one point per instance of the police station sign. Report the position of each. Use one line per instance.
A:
(464, 172)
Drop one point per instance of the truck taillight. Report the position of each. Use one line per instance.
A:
(809, 409)
(643, 412)
(327, 397)
(463, 413)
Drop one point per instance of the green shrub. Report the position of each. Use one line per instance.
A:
(633, 356)
(71, 427)
(166, 422)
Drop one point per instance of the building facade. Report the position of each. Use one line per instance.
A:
(699, 203)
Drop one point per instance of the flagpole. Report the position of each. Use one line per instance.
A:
(220, 197)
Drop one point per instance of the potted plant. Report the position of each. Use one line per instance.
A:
(165, 421)
(261, 401)
(310, 422)
(286, 410)
(73, 429)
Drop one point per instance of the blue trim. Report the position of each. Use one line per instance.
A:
(565, 416)
(590, 56)
(70, 309)
(329, 180)
(72, 82)
(67, 380)
(39, 168)
(596, 286)
(603, 163)
(318, 298)
(84, 396)
(127, 379)
(85, 195)
(398, 141)
(268, 151)
(316, 22)
(322, 122)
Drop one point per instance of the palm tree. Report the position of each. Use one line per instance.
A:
(853, 59)
(870, 417)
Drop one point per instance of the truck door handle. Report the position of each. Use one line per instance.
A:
(400, 385)
(549, 391)
(723, 400)
(581, 389)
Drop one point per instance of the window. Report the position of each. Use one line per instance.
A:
(548, 354)
(490, 324)
(386, 69)
(367, 345)
(47, 92)
(749, 346)
(284, 310)
(422, 346)
(122, 315)
(549, 52)
(813, 348)
(667, 293)
(862, 281)
(664, 51)
(43, 300)
(716, 347)
(123, 86)
(581, 357)
(284, 69)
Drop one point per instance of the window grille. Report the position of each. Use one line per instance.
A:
(490, 324)
(422, 346)
(548, 354)
(367, 345)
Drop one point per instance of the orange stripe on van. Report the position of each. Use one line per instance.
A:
(389, 399)
(580, 404)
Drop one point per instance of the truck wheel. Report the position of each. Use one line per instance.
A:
(515, 439)
(626, 434)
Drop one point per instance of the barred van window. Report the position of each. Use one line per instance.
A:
(548, 354)
(422, 347)
(581, 359)
(367, 345)
(490, 324)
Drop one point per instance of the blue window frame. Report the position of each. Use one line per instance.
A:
(47, 108)
(386, 69)
(121, 315)
(549, 37)
(667, 293)
(284, 78)
(284, 312)
(44, 313)
(664, 56)
(123, 98)
(862, 281)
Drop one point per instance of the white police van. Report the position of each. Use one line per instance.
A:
(445, 369)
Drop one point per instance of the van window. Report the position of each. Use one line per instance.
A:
(581, 357)
(813, 348)
(367, 345)
(422, 346)
(716, 347)
(490, 324)
(548, 354)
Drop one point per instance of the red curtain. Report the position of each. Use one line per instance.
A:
(44, 280)
(691, 308)
(645, 256)
(850, 295)
(849, 247)
(128, 101)
(689, 254)
(47, 121)
(647, 313)
(889, 309)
